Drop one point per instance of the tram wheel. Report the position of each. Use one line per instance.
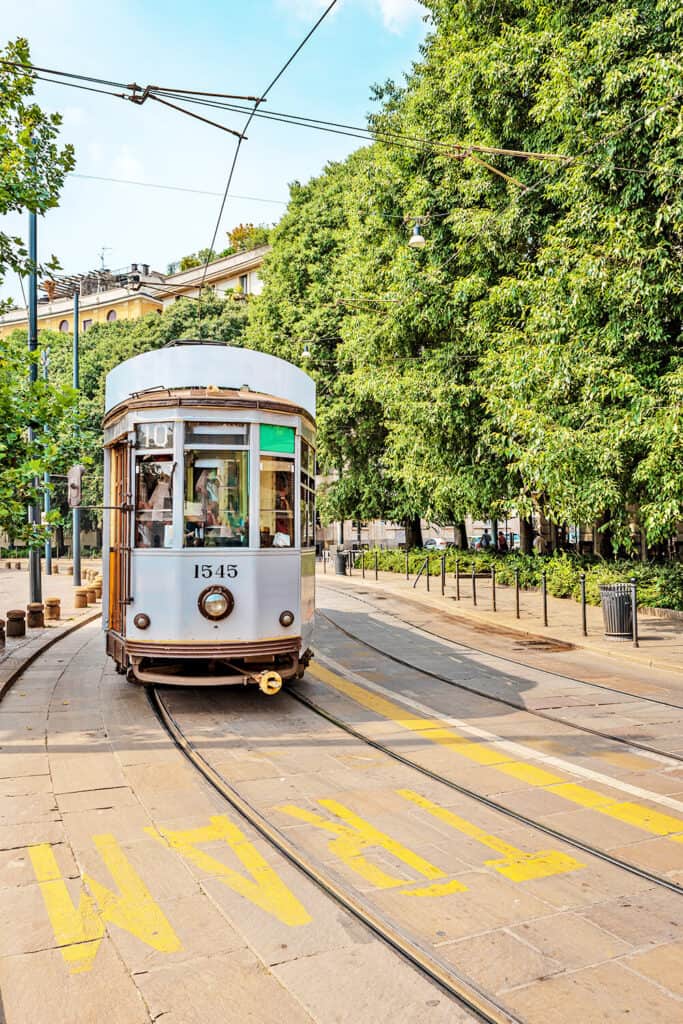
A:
(130, 676)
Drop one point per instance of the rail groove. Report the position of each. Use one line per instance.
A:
(487, 801)
(461, 989)
(636, 744)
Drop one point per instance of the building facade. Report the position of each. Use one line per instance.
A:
(106, 296)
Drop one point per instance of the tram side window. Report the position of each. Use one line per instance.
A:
(276, 520)
(216, 498)
(307, 495)
(153, 501)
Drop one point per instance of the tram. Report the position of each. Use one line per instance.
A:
(209, 456)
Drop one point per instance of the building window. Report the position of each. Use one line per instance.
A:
(64, 326)
(87, 324)
(111, 316)
(244, 284)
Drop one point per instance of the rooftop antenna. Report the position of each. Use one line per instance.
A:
(105, 248)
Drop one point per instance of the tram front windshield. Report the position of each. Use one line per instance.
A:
(216, 512)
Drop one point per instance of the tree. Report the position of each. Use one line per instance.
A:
(248, 236)
(32, 167)
(32, 170)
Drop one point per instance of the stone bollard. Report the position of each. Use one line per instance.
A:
(92, 595)
(80, 597)
(35, 618)
(55, 569)
(8, 565)
(2, 633)
(17, 565)
(69, 570)
(16, 622)
(52, 608)
(98, 589)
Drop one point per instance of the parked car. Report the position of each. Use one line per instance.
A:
(436, 544)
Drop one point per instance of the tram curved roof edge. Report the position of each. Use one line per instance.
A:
(184, 366)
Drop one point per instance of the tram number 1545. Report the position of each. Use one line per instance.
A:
(210, 572)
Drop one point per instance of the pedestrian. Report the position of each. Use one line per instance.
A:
(539, 544)
(485, 542)
(502, 543)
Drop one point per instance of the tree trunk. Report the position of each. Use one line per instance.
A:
(602, 540)
(462, 534)
(413, 528)
(526, 536)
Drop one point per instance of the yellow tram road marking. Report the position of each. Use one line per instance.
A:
(516, 865)
(265, 888)
(433, 730)
(354, 835)
(80, 929)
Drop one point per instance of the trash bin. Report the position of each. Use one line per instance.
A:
(617, 611)
(340, 563)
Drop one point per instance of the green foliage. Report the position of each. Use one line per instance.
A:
(659, 586)
(530, 356)
(32, 167)
(248, 236)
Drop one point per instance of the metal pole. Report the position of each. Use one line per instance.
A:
(584, 623)
(457, 580)
(407, 564)
(324, 562)
(443, 575)
(427, 565)
(349, 559)
(76, 514)
(493, 586)
(376, 564)
(35, 588)
(544, 591)
(516, 593)
(474, 584)
(362, 562)
(634, 610)
(46, 481)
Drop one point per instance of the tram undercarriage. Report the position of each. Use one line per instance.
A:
(194, 665)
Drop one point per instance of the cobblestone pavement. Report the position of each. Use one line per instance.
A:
(538, 860)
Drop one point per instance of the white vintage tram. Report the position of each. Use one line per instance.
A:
(210, 528)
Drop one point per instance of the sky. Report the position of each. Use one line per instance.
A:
(212, 45)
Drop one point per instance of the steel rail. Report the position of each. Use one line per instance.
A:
(461, 989)
(492, 805)
(506, 701)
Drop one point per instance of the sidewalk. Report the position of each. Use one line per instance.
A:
(14, 593)
(661, 640)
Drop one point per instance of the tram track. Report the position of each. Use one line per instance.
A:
(483, 1006)
(516, 705)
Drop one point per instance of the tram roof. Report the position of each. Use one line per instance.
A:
(200, 364)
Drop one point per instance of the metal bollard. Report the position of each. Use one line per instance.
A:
(517, 593)
(457, 580)
(474, 584)
(443, 575)
(493, 586)
(427, 564)
(407, 565)
(584, 623)
(324, 563)
(376, 565)
(544, 592)
(362, 563)
(349, 560)
(634, 610)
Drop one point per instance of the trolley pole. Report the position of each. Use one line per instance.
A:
(76, 513)
(35, 587)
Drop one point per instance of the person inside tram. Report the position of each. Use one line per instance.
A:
(155, 503)
(284, 519)
(214, 522)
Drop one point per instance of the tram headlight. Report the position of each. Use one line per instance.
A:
(141, 620)
(286, 618)
(215, 603)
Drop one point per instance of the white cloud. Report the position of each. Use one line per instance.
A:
(126, 164)
(396, 14)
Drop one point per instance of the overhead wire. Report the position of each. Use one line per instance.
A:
(249, 119)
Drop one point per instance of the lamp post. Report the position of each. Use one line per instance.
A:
(417, 239)
(76, 513)
(35, 588)
(45, 360)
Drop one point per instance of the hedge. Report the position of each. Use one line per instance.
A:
(659, 585)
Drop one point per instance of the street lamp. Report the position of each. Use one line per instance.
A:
(417, 239)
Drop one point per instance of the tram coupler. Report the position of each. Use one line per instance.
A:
(270, 682)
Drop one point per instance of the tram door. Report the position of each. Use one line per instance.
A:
(120, 538)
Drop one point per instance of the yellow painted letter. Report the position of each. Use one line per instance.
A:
(357, 835)
(265, 888)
